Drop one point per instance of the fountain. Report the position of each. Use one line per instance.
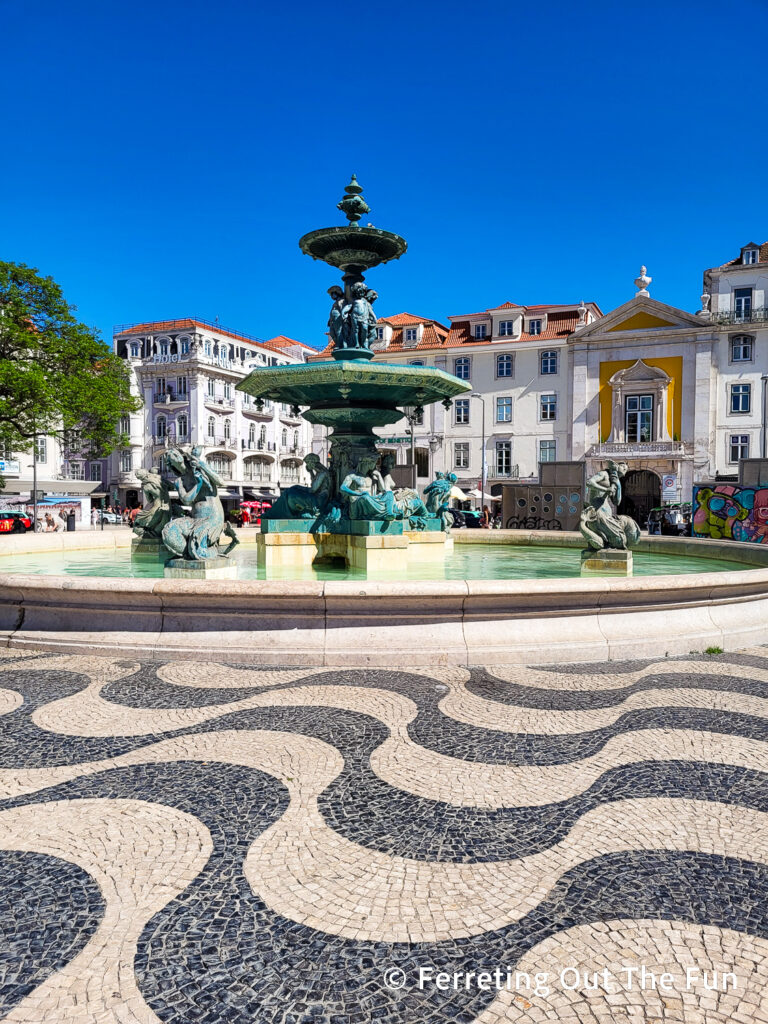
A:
(352, 510)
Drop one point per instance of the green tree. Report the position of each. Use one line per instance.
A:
(56, 375)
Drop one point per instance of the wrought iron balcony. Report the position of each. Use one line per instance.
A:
(641, 449)
(754, 316)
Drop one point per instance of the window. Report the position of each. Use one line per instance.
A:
(211, 387)
(211, 426)
(76, 470)
(534, 327)
(95, 470)
(124, 425)
(160, 386)
(181, 385)
(416, 362)
(41, 447)
(379, 334)
(135, 349)
(163, 347)
(481, 330)
(411, 334)
(461, 455)
(461, 406)
(503, 458)
(549, 407)
(504, 365)
(741, 348)
(161, 427)
(207, 348)
(227, 429)
(639, 419)
(295, 439)
(742, 303)
(228, 391)
(749, 256)
(506, 328)
(547, 451)
(252, 434)
(548, 362)
(284, 438)
(221, 466)
(185, 346)
(741, 397)
(289, 471)
(126, 462)
(504, 409)
(182, 426)
(461, 368)
(739, 447)
(263, 434)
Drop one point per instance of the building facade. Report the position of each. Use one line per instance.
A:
(679, 397)
(186, 372)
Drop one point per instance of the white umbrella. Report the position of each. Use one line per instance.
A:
(487, 497)
(458, 494)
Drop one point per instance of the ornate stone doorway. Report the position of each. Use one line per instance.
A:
(641, 492)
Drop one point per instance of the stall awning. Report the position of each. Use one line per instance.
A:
(71, 487)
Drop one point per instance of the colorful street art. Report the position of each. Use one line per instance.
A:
(731, 512)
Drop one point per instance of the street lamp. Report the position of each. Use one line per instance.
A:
(483, 470)
(412, 413)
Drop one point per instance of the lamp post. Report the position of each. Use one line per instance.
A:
(483, 469)
(413, 413)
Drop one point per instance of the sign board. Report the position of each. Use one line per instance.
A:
(10, 467)
(669, 487)
(393, 440)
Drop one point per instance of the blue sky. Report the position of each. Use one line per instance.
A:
(162, 159)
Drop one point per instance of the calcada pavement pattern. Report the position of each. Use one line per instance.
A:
(192, 842)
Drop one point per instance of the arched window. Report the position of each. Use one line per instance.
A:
(211, 426)
(227, 430)
(548, 362)
(161, 428)
(284, 439)
(504, 365)
(163, 347)
(184, 342)
(263, 434)
(295, 439)
(461, 368)
(181, 426)
(252, 434)
(135, 350)
(124, 427)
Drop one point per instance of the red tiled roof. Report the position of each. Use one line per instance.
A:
(506, 305)
(281, 341)
(762, 257)
(405, 318)
(559, 325)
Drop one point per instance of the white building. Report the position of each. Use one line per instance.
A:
(516, 359)
(678, 396)
(62, 470)
(185, 372)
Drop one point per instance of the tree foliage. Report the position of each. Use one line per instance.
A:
(56, 375)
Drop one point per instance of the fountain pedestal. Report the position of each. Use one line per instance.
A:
(609, 561)
(200, 569)
(149, 550)
(373, 552)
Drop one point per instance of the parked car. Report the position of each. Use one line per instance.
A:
(472, 519)
(109, 517)
(14, 522)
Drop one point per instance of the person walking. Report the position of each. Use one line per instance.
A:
(485, 518)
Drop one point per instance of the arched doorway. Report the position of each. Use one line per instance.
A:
(641, 491)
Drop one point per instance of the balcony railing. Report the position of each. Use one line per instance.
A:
(257, 478)
(754, 316)
(641, 449)
(168, 439)
(168, 397)
(220, 442)
(498, 474)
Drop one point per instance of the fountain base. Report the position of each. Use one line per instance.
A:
(605, 562)
(374, 552)
(218, 568)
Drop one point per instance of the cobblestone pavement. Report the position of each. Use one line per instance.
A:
(200, 844)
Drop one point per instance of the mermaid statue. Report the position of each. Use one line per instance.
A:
(600, 526)
(195, 535)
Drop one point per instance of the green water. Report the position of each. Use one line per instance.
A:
(469, 562)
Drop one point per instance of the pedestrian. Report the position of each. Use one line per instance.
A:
(61, 522)
(50, 526)
(94, 517)
(485, 519)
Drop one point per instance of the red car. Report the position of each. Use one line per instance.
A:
(14, 522)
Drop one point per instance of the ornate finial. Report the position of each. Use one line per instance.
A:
(705, 312)
(353, 204)
(582, 310)
(642, 282)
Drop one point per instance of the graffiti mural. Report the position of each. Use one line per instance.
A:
(730, 512)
